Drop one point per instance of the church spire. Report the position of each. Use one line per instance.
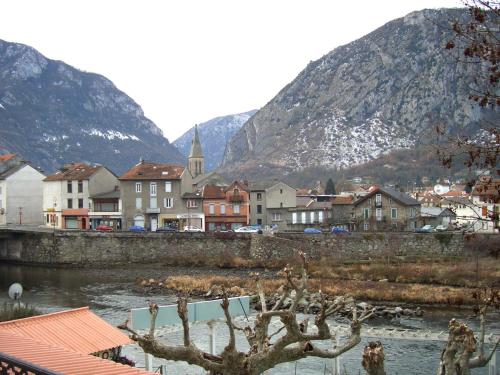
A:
(196, 160)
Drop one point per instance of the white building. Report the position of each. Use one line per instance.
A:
(20, 192)
(67, 194)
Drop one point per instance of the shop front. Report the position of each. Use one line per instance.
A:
(192, 219)
(218, 224)
(75, 219)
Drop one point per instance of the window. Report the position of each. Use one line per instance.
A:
(281, 204)
(236, 209)
(378, 198)
(320, 216)
(394, 213)
(378, 214)
(276, 216)
(281, 191)
(366, 213)
(311, 216)
(211, 209)
(303, 217)
(138, 187)
(80, 186)
(168, 186)
(211, 227)
(236, 191)
(168, 202)
(294, 218)
(259, 221)
(366, 226)
(153, 202)
(412, 225)
(138, 203)
(222, 209)
(69, 186)
(80, 202)
(70, 203)
(259, 196)
(152, 189)
(390, 200)
(48, 218)
(259, 208)
(191, 203)
(413, 212)
(369, 201)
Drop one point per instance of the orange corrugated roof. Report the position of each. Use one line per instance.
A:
(58, 359)
(78, 330)
(6, 157)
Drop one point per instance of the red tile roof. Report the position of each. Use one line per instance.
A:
(58, 359)
(153, 171)
(78, 330)
(349, 199)
(73, 171)
(214, 192)
(6, 157)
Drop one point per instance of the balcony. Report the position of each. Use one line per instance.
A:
(236, 198)
(378, 204)
(151, 210)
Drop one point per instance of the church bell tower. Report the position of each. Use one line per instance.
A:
(196, 161)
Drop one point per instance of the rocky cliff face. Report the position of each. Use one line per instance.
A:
(214, 135)
(385, 91)
(51, 114)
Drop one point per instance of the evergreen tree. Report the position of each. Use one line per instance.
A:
(330, 187)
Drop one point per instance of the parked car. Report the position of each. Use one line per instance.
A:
(166, 228)
(192, 228)
(136, 228)
(104, 228)
(425, 229)
(247, 230)
(312, 230)
(339, 230)
(441, 228)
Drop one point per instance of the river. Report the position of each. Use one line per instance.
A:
(111, 293)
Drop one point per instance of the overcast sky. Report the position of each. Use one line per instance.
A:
(186, 62)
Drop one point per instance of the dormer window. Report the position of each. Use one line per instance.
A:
(236, 191)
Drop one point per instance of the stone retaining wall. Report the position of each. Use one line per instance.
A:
(94, 248)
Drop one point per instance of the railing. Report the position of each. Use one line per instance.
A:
(12, 365)
(236, 198)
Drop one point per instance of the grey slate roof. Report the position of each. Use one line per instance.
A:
(196, 151)
(109, 194)
(393, 193)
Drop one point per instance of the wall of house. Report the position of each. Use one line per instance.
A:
(253, 203)
(52, 204)
(96, 248)
(102, 181)
(24, 189)
(281, 195)
(128, 196)
(3, 199)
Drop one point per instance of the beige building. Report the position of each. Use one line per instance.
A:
(385, 208)
(67, 194)
(270, 204)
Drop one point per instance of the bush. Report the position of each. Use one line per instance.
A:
(12, 311)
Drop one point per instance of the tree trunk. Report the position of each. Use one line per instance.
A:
(373, 358)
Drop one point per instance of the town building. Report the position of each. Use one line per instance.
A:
(67, 194)
(106, 209)
(486, 197)
(342, 211)
(152, 196)
(225, 207)
(385, 208)
(270, 204)
(20, 192)
(437, 216)
(309, 213)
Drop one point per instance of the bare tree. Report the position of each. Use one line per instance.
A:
(457, 356)
(373, 358)
(291, 342)
(477, 41)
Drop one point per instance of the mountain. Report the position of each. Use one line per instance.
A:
(213, 135)
(384, 92)
(52, 113)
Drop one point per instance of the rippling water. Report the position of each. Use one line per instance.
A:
(112, 293)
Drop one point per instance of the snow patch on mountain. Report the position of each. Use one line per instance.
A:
(111, 134)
